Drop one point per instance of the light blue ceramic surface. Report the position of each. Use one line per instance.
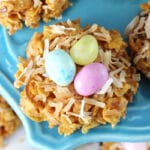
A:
(111, 14)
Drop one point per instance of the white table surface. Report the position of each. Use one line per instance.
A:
(18, 142)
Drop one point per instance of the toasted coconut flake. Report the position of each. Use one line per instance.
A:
(40, 97)
(106, 86)
(62, 92)
(67, 118)
(54, 43)
(46, 47)
(147, 27)
(73, 114)
(92, 29)
(94, 102)
(145, 47)
(105, 57)
(148, 74)
(122, 76)
(36, 3)
(112, 73)
(40, 70)
(86, 117)
(138, 57)
(69, 22)
(39, 60)
(58, 107)
(140, 25)
(148, 59)
(136, 77)
(47, 88)
(125, 61)
(59, 29)
(52, 1)
(69, 105)
(29, 66)
(130, 27)
(110, 91)
(27, 75)
(117, 83)
(103, 36)
(82, 108)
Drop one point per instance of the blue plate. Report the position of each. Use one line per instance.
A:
(113, 14)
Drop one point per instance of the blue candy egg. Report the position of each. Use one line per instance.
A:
(60, 67)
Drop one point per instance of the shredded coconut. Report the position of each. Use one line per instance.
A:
(148, 59)
(94, 102)
(92, 29)
(69, 22)
(136, 77)
(130, 27)
(82, 108)
(46, 47)
(117, 82)
(73, 114)
(39, 97)
(58, 107)
(112, 73)
(105, 57)
(140, 25)
(125, 61)
(148, 74)
(59, 29)
(147, 27)
(29, 66)
(106, 86)
(138, 57)
(36, 3)
(67, 118)
(145, 47)
(122, 76)
(69, 105)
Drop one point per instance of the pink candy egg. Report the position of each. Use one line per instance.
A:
(135, 146)
(90, 79)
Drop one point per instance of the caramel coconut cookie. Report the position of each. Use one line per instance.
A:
(76, 77)
(112, 146)
(139, 39)
(9, 122)
(13, 13)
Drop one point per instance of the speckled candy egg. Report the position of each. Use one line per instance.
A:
(60, 67)
(90, 79)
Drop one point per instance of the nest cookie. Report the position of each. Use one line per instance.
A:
(13, 13)
(139, 39)
(76, 77)
(9, 122)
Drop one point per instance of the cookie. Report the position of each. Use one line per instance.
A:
(138, 32)
(45, 99)
(15, 13)
(9, 122)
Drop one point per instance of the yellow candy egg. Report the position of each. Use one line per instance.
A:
(85, 50)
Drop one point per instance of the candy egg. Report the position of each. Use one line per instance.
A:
(135, 146)
(91, 79)
(60, 67)
(84, 51)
